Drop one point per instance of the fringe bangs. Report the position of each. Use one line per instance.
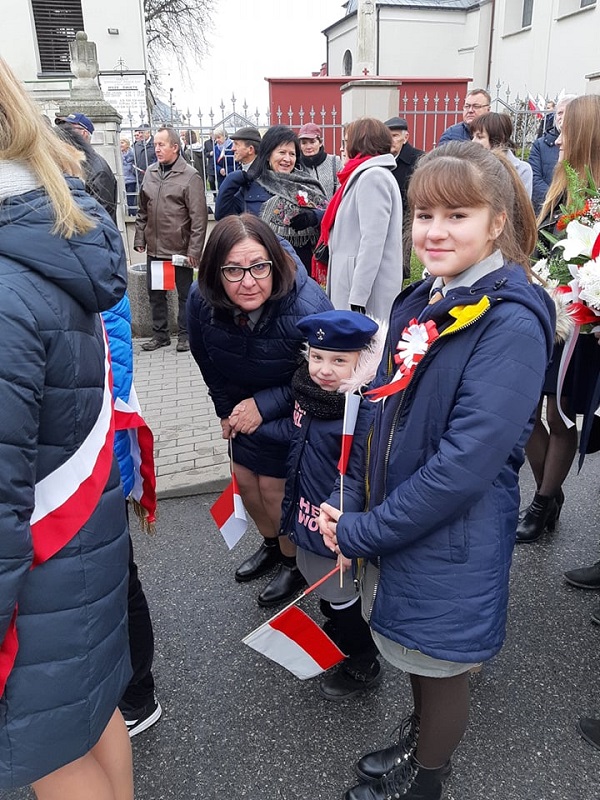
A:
(446, 181)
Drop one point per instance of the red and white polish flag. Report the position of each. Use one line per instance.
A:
(230, 515)
(162, 275)
(350, 417)
(293, 640)
(128, 417)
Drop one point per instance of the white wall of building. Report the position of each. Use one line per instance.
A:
(343, 38)
(554, 54)
(419, 44)
(128, 44)
(18, 43)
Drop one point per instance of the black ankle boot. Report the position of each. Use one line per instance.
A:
(541, 516)
(285, 585)
(265, 558)
(375, 765)
(351, 678)
(409, 781)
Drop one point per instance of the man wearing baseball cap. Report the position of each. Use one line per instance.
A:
(100, 181)
(83, 125)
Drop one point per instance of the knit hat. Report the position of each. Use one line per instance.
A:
(310, 131)
(338, 330)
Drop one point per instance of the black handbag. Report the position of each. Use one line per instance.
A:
(321, 253)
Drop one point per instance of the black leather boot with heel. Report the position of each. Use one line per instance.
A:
(541, 516)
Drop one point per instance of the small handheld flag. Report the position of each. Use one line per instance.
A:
(350, 416)
(293, 640)
(229, 513)
(162, 275)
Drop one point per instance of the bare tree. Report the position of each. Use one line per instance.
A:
(177, 27)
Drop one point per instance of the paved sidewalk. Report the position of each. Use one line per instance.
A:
(191, 457)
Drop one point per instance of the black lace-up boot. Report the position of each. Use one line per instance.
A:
(375, 765)
(409, 781)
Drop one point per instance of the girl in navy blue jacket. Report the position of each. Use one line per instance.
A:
(467, 352)
(344, 349)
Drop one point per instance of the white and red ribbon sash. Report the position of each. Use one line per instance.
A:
(66, 499)
(581, 315)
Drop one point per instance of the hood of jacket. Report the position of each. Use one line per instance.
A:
(90, 267)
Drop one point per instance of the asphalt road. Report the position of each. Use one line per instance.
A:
(237, 726)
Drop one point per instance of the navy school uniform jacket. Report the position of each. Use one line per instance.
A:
(444, 462)
(312, 471)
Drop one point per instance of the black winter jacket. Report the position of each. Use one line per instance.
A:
(237, 363)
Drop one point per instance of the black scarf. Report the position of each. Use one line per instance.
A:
(313, 399)
(312, 162)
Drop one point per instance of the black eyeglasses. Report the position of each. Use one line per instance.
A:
(475, 106)
(259, 271)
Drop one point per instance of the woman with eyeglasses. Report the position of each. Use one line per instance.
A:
(242, 314)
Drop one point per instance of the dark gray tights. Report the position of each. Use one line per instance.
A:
(443, 707)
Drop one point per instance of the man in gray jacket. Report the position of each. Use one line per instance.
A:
(171, 221)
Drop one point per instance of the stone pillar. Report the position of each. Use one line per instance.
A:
(593, 83)
(366, 45)
(370, 98)
(87, 98)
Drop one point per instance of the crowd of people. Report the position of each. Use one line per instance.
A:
(299, 304)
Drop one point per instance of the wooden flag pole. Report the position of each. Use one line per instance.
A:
(297, 600)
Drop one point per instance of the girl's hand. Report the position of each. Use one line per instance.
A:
(245, 417)
(328, 519)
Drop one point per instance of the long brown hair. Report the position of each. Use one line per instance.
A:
(580, 137)
(466, 174)
(25, 137)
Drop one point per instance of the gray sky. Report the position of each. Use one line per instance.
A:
(254, 40)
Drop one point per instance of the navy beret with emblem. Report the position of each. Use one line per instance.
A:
(338, 330)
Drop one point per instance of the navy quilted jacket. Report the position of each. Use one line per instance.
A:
(444, 463)
(237, 363)
(543, 157)
(313, 471)
(73, 660)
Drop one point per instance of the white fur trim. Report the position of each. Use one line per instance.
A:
(368, 361)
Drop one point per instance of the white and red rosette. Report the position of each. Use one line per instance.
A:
(415, 341)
